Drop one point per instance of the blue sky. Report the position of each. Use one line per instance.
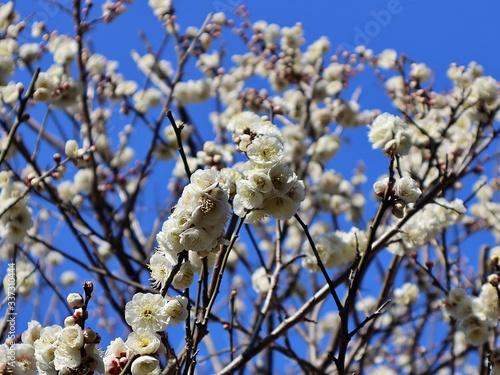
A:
(435, 32)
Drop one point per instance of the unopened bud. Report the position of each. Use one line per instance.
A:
(75, 300)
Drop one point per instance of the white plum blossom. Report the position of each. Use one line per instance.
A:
(116, 356)
(406, 295)
(387, 59)
(32, 333)
(143, 341)
(160, 7)
(380, 186)
(96, 64)
(25, 361)
(407, 189)
(63, 48)
(176, 310)
(390, 134)
(260, 280)
(192, 91)
(16, 219)
(458, 304)
(334, 249)
(198, 220)
(488, 303)
(185, 276)
(71, 149)
(45, 348)
(476, 330)
(161, 267)
(145, 365)
(265, 150)
(420, 72)
(147, 310)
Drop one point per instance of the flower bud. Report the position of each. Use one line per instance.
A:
(71, 149)
(75, 300)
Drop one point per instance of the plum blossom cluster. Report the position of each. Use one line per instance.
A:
(487, 208)
(426, 223)
(330, 192)
(477, 315)
(335, 249)
(196, 225)
(279, 56)
(56, 349)
(268, 187)
(148, 315)
(391, 134)
(15, 215)
(404, 192)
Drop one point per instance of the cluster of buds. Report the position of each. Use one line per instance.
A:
(405, 191)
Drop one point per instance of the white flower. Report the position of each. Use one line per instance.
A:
(407, 189)
(66, 190)
(488, 298)
(204, 180)
(10, 93)
(75, 300)
(390, 134)
(32, 333)
(177, 310)
(406, 295)
(37, 28)
(116, 356)
(68, 278)
(4, 179)
(387, 59)
(192, 91)
(475, 330)
(280, 207)
(145, 364)
(161, 267)
(243, 121)
(282, 178)
(83, 180)
(66, 358)
(198, 239)
(248, 195)
(260, 181)
(64, 48)
(45, 348)
(29, 52)
(420, 72)
(324, 148)
(71, 149)
(318, 48)
(25, 362)
(380, 186)
(96, 64)
(185, 276)
(125, 88)
(71, 337)
(219, 18)
(458, 303)
(260, 280)
(147, 311)
(7, 15)
(485, 88)
(143, 341)
(144, 99)
(265, 150)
